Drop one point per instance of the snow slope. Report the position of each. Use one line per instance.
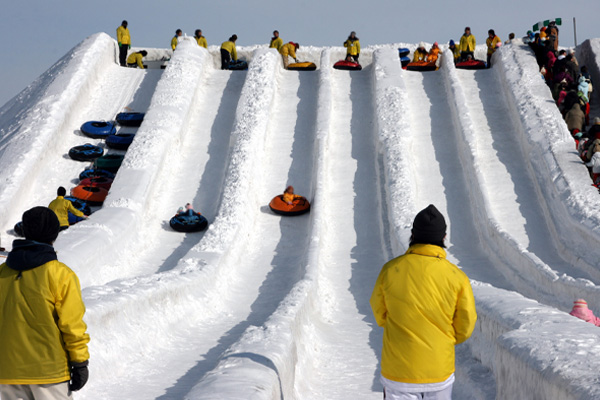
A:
(265, 307)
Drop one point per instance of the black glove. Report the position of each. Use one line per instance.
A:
(79, 375)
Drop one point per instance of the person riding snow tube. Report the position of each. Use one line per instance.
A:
(86, 152)
(109, 162)
(289, 204)
(98, 129)
(134, 119)
(120, 141)
(187, 220)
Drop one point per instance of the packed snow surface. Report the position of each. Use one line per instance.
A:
(267, 307)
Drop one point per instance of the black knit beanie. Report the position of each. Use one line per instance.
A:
(429, 226)
(41, 225)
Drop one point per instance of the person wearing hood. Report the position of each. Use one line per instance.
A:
(124, 41)
(352, 45)
(583, 87)
(467, 44)
(62, 207)
(455, 50)
(175, 39)
(420, 53)
(276, 41)
(228, 52)
(135, 59)
(43, 339)
(201, 40)
(433, 54)
(581, 311)
(492, 45)
(288, 50)
(425, 305)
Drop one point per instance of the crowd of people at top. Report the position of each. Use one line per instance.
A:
(571, 88)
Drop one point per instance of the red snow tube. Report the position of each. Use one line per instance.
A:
(471, 64)
(347, 65)
(298, 206)
(92, 195)
(97, 181)
(421, 66)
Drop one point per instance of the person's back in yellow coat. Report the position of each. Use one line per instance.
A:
(62, 207)
(288, 49)
(228, 52)
(135, 59)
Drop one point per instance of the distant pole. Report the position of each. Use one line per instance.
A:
(575, 31)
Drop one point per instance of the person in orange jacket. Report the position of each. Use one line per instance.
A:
(433, 54)
(288, 49)
(492, 45)
(425, 305)
(289, 196)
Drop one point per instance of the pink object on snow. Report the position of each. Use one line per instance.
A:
(581, 311)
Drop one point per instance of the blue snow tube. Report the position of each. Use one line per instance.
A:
(404, 52)
(98, 129)
(91, 172)
(120, 141)
(86, 152)
(238, 65)
(130, 118)
(81, 206)
(405, 61)
(188, 222)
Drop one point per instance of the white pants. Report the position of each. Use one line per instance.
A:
(51, 391)
(445, 394)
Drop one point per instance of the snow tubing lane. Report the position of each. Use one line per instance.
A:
(98, 129)
(239, 65)
(94, 172)
(92, 195)
(299, 206)
(97, 181)
(473, 64)
(81, 206)
(347, 65)
(109, 162)
(86, 152)
(188, 223)
(421, 66)
(120, 141)
(404, 61)
(302, 66)
(130, 119)
(404, 52)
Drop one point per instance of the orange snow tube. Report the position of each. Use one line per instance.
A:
(298, 206)
(93, 195)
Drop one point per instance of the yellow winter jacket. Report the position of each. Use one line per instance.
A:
(289, 198)
(174, 42)
(288, 49)
(353, 47)
(425, 305)
(491, 44)
(61, 206)
(276, 43)
(230, 47)
(419, 55)
(136, 58)
(41, 317)
(202, 42)
(467, 43)
(123, 35)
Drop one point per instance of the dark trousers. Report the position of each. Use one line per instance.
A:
(225, 59)
(63, 228)
(123, 54)
(489, 60)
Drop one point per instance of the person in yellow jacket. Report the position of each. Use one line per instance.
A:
(352, 45)
(135, 59)
(492, 42)
(276, 41)
(200, 39)
(425, 305)
(420, 53)
(63, 207)
(124, 41)
(288, 49)
(175, 39)
(228, 52)
(289, 196)
(43, 339)
(467, 44)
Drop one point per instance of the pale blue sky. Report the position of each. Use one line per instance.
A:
(36, 33)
